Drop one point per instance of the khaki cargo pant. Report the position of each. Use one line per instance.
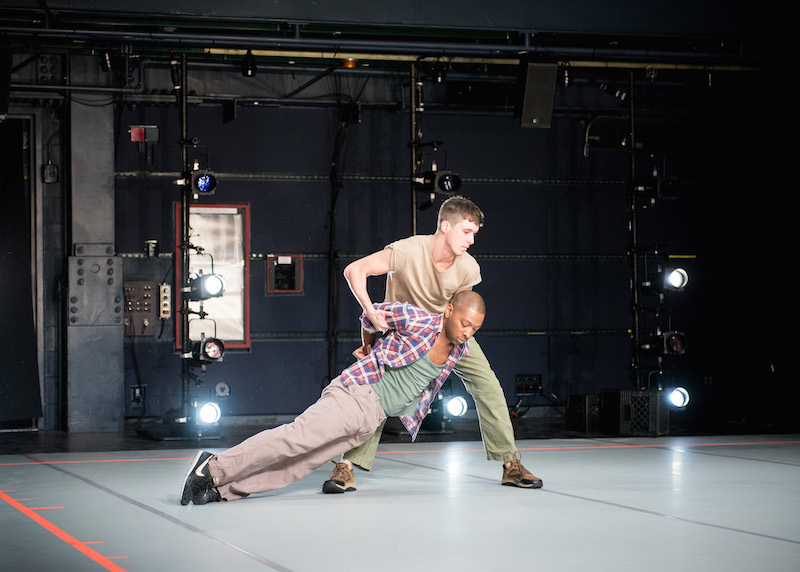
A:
(495, 421)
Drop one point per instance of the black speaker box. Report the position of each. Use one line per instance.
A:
(537, 99)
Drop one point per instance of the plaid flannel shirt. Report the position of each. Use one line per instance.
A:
(412, 334)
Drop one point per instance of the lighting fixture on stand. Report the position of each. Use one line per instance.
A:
(665, 343)
(442, 182)
(195, 418)
(443, 410)
(678, 397)
(205, 286)
(666, 279)
(207, 413)
(658, 188)
(435, 182)
(208, 350)
(200, 182)
(204, 183)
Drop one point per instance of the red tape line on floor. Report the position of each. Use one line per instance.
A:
(52, 528)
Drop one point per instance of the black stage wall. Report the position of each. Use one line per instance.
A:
(553, 251)
(19, 379)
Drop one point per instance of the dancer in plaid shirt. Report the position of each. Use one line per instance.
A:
(399, 377)
(426, 270)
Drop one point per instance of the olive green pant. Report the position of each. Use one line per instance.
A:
(495, 421)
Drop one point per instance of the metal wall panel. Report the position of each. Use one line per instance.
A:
(95, 305)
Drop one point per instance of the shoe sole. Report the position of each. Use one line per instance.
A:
(186, 491)
(332, 487)
(534, 485)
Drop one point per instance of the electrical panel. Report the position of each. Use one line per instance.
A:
(284, 274)
(164, 301)
(140, 309)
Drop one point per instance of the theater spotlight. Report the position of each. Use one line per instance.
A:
(205, 286)
(442, 182)
(667, 279)
(678, 397)
(658, 187)
(676, 279)
(208, 350)
(207, 413)
(456, 406)
(666, 343)
(200, 181)
(442, 412)
(203, 182)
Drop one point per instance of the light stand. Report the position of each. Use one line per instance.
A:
(434, 181)
(633, 246)
(415, 137)
(182, 423)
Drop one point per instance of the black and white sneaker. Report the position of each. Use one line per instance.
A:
(198, 485)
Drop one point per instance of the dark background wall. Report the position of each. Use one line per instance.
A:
(554, 251)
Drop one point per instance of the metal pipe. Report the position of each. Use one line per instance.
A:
(633, 248)
(339, 46)
(412, 88)
(185, 230)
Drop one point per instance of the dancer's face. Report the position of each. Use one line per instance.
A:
(460, 236)
(460, 323)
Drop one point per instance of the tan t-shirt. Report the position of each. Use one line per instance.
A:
(414, 278)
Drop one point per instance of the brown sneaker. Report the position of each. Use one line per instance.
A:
(341, 481)
(516, 475)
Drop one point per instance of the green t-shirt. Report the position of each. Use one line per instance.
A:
(399, 388)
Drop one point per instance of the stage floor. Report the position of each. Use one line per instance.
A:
(727, 503)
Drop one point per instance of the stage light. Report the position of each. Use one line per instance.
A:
(674, 343)
(443, 410)
(667, 343)
(208, 350)
(456, 406)
(678, 397)
(200, 181)
(674, 279)
(208, 413)
(203, 182)
(205, 286)
(249, 67)
(442, 182)
(658, 187)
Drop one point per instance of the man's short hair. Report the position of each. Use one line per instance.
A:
(470, 299)
(457, 208)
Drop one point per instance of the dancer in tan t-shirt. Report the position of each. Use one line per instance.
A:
(426, 270)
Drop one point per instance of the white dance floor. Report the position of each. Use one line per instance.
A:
(727, 503)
